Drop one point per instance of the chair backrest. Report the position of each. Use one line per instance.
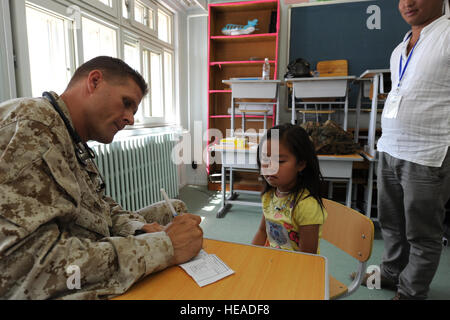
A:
(348, 230)
(332, 68)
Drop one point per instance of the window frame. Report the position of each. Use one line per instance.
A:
(173, 107)
(101, 22)
(152, 48)
(125, 32)
(150, 4)
(171, 25)
(8, 88)
(69, 38)
(114, 10)
(21, 48)
(133, 40)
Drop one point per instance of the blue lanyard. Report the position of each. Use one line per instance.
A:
(402, 71)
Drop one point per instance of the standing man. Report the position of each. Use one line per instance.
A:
(414, 164)
(55, 221)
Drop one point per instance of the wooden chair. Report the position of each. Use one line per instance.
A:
(353, 233)
(332, 68)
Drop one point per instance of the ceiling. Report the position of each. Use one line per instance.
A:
(193, 4)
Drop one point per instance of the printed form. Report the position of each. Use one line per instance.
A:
(206, 268)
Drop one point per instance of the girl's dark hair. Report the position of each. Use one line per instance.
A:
(113, 69)
(299, 144)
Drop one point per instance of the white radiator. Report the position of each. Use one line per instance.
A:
(136, 168)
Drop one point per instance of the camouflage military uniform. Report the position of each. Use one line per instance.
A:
(53, 215)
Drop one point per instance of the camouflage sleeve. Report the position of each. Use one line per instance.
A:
(50, 264)
(46, 234)
(126, 223)
(159, 212)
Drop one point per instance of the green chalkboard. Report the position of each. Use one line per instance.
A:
(340, 31)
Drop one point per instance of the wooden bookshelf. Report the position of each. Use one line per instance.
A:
(239, 56)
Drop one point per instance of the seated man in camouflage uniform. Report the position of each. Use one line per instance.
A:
(53, 211)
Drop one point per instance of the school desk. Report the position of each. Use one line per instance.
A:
(317, 88)
(266, 93)
(236, 159)
(369, 187)
(260, 273)
(376, 76)
(336, 168)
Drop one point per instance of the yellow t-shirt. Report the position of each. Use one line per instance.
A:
(283, 221)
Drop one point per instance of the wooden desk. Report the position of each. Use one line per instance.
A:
(320, 87)
(261, 273)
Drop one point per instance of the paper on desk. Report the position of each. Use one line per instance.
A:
(206, 268)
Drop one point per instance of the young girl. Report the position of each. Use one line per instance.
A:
(293, 212)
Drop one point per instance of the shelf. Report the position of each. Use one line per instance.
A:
(238, 116)
(219, 63)
(239, 7)
(219, 91)
(246, 37)
(239, 56)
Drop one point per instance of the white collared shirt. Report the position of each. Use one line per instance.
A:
(420, 132)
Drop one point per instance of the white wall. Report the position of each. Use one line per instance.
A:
(197, 28)
(181, 78)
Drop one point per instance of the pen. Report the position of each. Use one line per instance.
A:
(166, 198)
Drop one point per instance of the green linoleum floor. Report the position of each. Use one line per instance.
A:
(241, 222)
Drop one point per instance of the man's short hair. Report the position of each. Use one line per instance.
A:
(113, 69)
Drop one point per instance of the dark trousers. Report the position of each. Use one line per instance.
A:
(411, 210)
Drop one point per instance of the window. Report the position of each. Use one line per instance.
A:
(110, 7)
(125, 8)
(106, 2)
(152, 104)
(144, 14)
(157, 70)
(98, 40)
(156, 85)
(164, 26)
(157, 62)
(48, 45)
(131, 55)
(62, 35)
(169, 87)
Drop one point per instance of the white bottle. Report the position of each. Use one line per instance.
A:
(266, 69)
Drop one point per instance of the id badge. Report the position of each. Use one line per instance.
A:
(391, 106)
